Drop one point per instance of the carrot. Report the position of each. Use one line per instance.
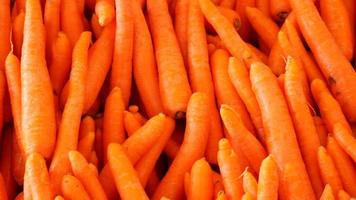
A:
(249, 184)
(27, 187)
(268, 180)
(72, 188)
(327, 193)
(276, 59)
(345, 139)
(239, 77)
(336, 17)
(107, 181)
(257, 53)
(3, 193)
(306, 132)
(52, 24)
(225, 30)
(6, 165)
(58, 197)
(134, 109)
(131, 124)
(124, 174)
(97, 29)
(240, 137)
(173, 81)
(105, 11)
(278, 127)
(71, 20)
(86, 175)
(87, 125)
(231, 15)
(152, 184)
(343, 164)
(100, 59)
(37, 106)
(224, 89)
(279, 10)
(335, 67)
(211, 48)
(193, 147)
(230, 169)
(181, 27)
(265, 27)
(201, 181)
(37, 173)
(144, 65)
(5, 26)
(199, 72)
(17, 33)
(328, 171)
(123, 48)
(326, 102)
(113, 123)
(60, 65)
(321, 130)
(228, 3)
(146, 164)
(342, 195)
(85, 145)
(245, 30)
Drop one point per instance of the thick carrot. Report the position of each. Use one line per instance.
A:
(321, 130)
(279, 10)
(245, 30)
(336, 17)
(200, 73)
(85, 145)
(342, 195)
(328, 170)
(265, 27)
(268, 180)
(59, 68)
(228, 3)
(327, 193)
(344, 165)
(306, 132)
(345, 139)
(87, 125)
(173, 81)
(5, 26)
(144, 64)
(193, 147)
(17, 33)
(113, 122)
(72, 188)
(335, 67)
(37, 174)
(201, 181)
(86, 175)
(52, 24)
(181, 27)
(240, 137)
(123, 48)
(71, 20)
(230, 169)
(37, 105)
(249, 184)
(3, 193)
(239, 77)
(124, 174)
(105, 10)
(224, 89)
(278, 127)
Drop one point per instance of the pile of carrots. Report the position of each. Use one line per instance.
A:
(177, 99)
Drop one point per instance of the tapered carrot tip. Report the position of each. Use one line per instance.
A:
(224, 144)
(77, 159)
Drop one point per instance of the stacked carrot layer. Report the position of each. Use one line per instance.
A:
(177, 99)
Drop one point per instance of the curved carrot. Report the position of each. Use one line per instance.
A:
(200, 73)
(5, 26)
(327, 193)
(51, 21)
(249, 184)
(124, 174)
(85, 145)
(245, 30)
(37, 105)
(278, 127)
(113, 122)
(321, 130)
(105, 11)
(335, 67)
(72, 188)
(345, 139)
(131, 124)
(279, 10)
(173, 81)
(71, 20)
(230, 169)
(201, 181)
(268, 181)
(87, 125)
(17, 33)
(336, 17)
(123, 48)
(193, 147)
(240, 137)
(181, 27)
(144, 65)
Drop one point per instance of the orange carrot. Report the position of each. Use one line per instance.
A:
(105, 11)
(17, 33)
(71, 20)
(72, 188)
(171, 149)
(193, 148)
(124, 174)
(107, 181)
(221, 196)
(345, 139)
(173, 81)
(228, 3)
(20, 196)
(342, 195)
(327, 193)
(245, 30)
(231, 15)
(201, 181)
(181, 27)
(321, 130)
(218, 184)
(38, 116)
(97, 29)
(52, 24)
(257, 53)
(5, 26)
(6, 165)
(211, 48)
(186, 184)
(268, 181)
(85, 145)
(279, 9)
(131, 124)
(263, 5)
(249, 184)
(276, 59)
(87, 125)
(3, 193)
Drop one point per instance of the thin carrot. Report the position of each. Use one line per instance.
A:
(144, 65)
(38, 116)
(193, 147)
(278, 127)
(268, 181)
(181, 27)
(228, 3)
(72, 188)
(105, 11)
(5, 26)
(173, 81)
(131, 124)
(342, 195)
(230, 169)
(327, 193)
(201, 181)
(245, 30)
(124, 174)
(85, 145)
(249, 184)
(71, 20)
(87, 125)
(336, 17)
(52, 24)
(17, 32)
(345, 139)
(321, 130)
(279, 10)
(335, 67)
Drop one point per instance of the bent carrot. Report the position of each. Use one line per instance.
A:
(345, 139)
(72, 188)
(201, 181)
(268, 180)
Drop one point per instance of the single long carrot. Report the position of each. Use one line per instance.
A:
(279, 10)
(201, 181)
(144, 65)
(5, 26)
(123, 48)
(52, 24)
(268, 180)
(124, 174)
(345, 139)
(71, 20)
(193, 147)
(37, 105)
(249, 184)
(72, 188)
(278, 127)
(245, 30)
(327, 193)
(17, 33)
(105, 10)
(173, 81)
(336, 17)
(335, 67)
(200, 74)
(181, 27)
